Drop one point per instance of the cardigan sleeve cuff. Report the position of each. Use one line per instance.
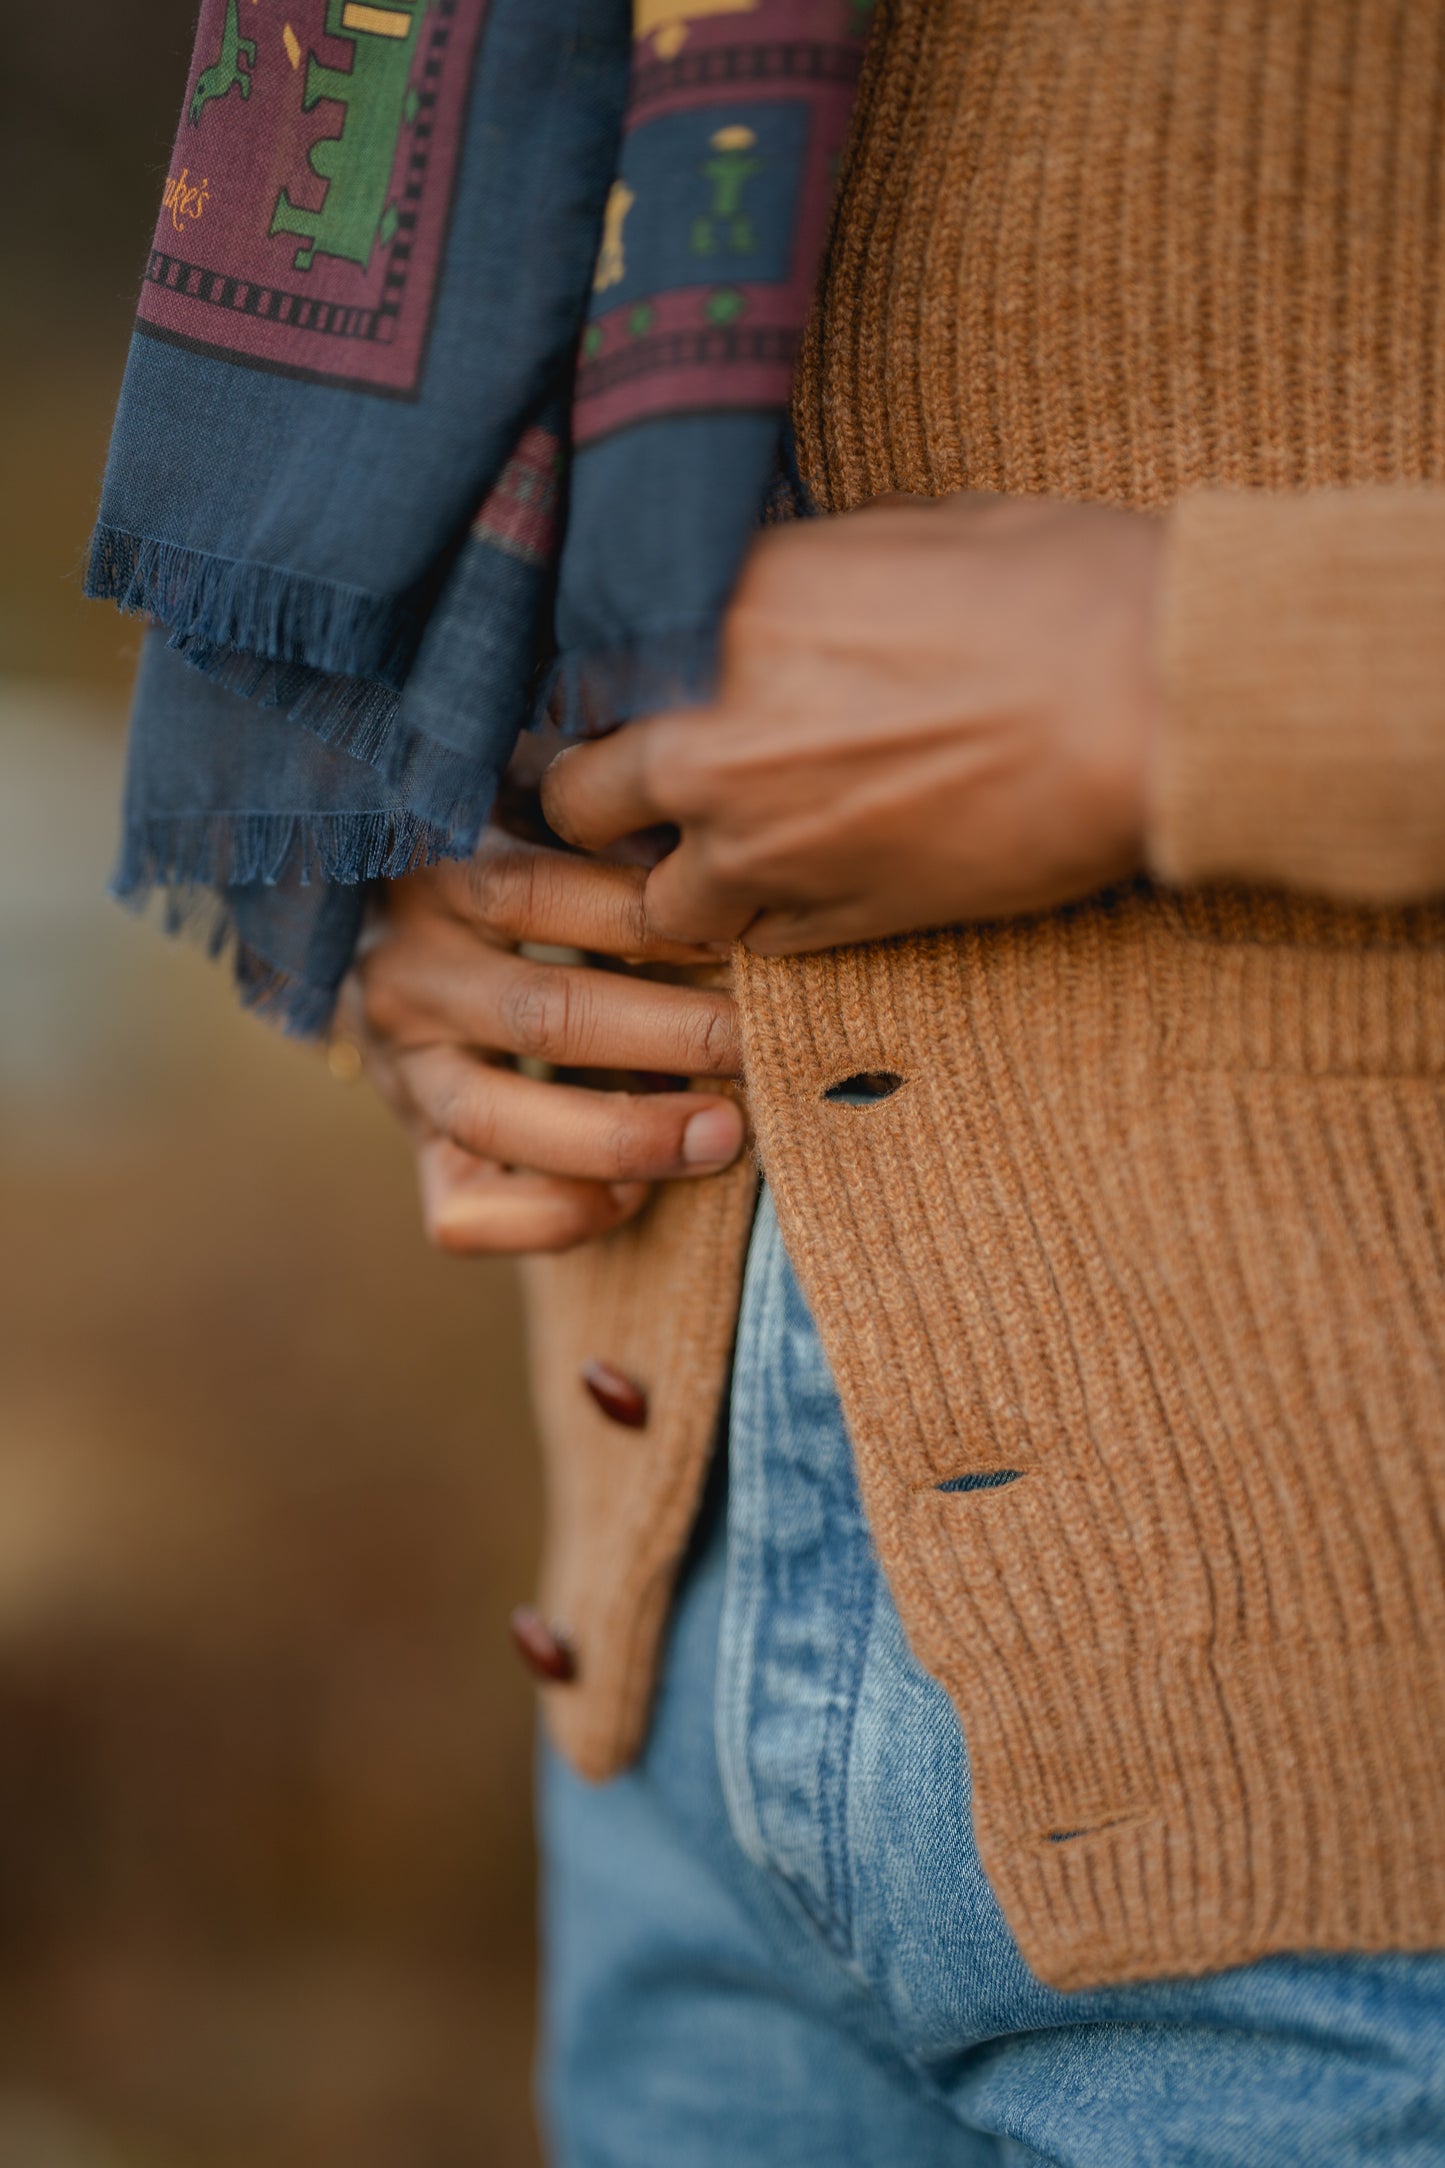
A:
(1302, 652)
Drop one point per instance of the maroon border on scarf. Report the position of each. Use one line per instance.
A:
(302, 223)
(805, 52)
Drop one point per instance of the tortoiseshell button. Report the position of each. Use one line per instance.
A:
(545, 1654)
(614, 1393)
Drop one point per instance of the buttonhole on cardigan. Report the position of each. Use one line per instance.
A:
(865, 1089)
(981, 1479)
(1096, 1829)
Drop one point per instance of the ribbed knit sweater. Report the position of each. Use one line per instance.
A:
(1157, 1215)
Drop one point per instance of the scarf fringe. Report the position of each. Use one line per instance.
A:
(299, 1008)
(358, 717)
(586, 693)
(243, 850)
(295, 1007)
(262, 610)
(193, 860)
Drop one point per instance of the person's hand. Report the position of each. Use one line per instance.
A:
(929, 711)
(440, 1003)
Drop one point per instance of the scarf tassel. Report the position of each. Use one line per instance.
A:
(221, 602)
(203, 865)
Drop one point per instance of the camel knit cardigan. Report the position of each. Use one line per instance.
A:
(1157, 1215)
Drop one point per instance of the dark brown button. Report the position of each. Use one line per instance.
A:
(545, 1654)
(615, 1394)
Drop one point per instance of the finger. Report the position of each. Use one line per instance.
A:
(691, 900)
(350, 1015)
(842, 923)
(378, 1053)
(455, 988)
(595, 794)
(515, 892)
(473, 1207)
(565, 1129)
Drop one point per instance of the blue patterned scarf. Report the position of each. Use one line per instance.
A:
(458, 383)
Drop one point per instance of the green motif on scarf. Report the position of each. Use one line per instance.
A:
(728, 172)
(226, 70)
(356, 164)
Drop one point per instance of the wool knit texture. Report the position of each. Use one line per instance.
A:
(1155, 1217)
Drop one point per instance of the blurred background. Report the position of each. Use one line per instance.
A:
(267, 1487)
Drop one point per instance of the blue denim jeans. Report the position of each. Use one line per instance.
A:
(771, 1943)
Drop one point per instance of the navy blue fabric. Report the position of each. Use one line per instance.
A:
(281, 887)
(348, 497)
(669, 572)
(308, 551)
(346, 645)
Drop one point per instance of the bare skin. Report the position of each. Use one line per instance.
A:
(441, 1004)
(930, 712)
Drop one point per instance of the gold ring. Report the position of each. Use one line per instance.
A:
(343, 1059)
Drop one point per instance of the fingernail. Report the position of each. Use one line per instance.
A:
(712, 1138)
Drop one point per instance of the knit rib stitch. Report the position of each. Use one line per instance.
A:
(1155, 1219)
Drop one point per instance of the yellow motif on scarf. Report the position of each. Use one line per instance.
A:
(666, 21)
(611, 261)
